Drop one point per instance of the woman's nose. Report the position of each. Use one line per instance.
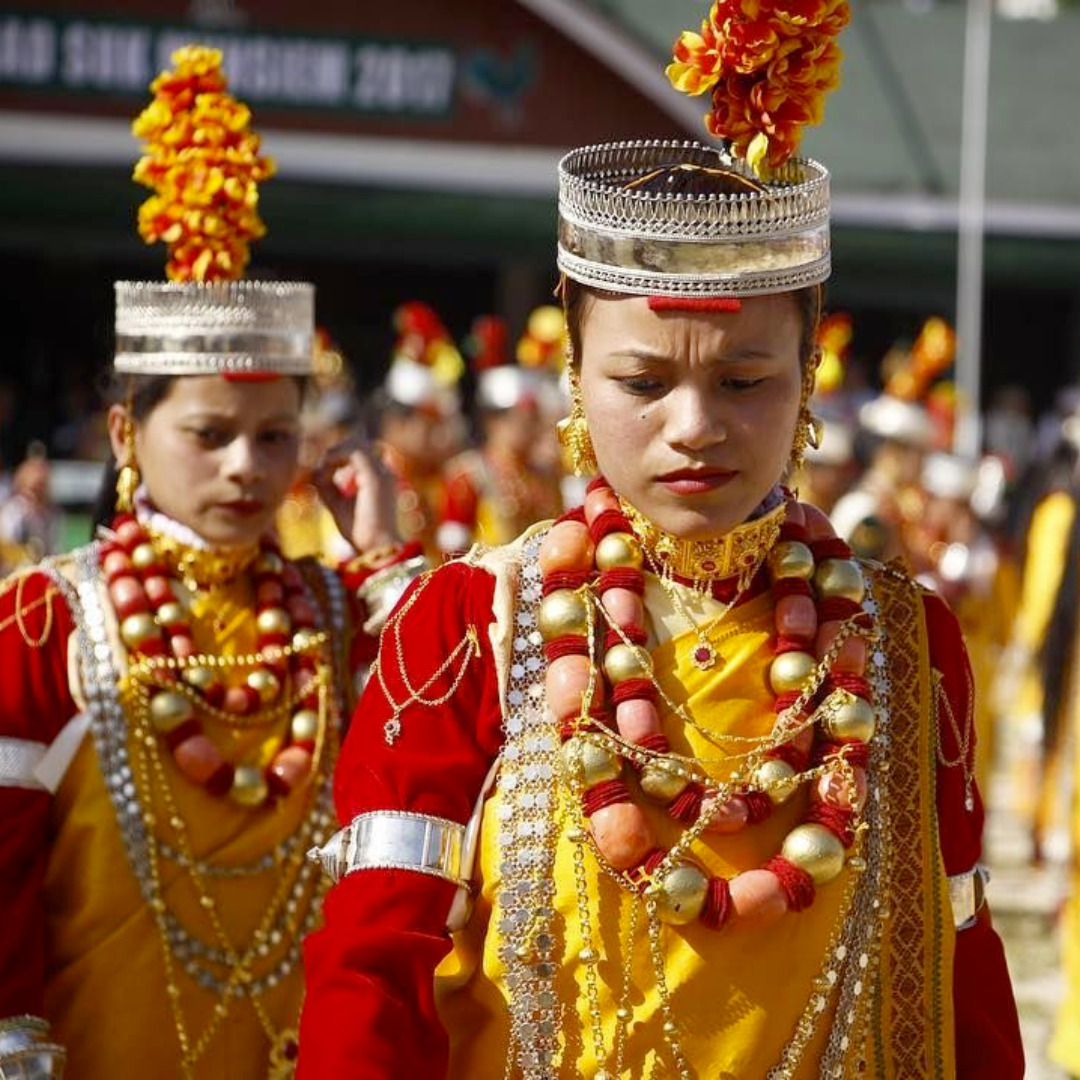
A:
(242, 461)
(695, 422)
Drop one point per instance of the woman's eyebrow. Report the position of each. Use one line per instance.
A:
(644, 352)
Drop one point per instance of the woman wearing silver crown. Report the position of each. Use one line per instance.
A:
(173, 693)
(690, 786)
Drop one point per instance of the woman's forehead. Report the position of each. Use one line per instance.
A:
(631, 323)
(216, 394)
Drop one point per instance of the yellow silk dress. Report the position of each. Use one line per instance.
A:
(108, 980)
(738, 994)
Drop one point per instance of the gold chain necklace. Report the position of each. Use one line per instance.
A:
(705, 654)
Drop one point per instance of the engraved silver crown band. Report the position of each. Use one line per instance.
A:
(215, 328)
(650, 243)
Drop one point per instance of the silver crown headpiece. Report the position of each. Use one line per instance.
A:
(773, 237)
(215, 328)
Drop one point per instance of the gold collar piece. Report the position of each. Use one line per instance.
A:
(738, 554)
(202, 568)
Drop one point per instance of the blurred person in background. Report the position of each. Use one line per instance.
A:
(492, 493)
(1040, 684)
(903, 423)
(543, 348)
(874, 515)
(330, 416)
(951, 552)
(29, 520)
(417, 416)
(831, 468)
(1008, 430)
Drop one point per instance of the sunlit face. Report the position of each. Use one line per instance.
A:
(900, 462)
(415, 434)
(515, 430)
(692, 415)
(218, 456)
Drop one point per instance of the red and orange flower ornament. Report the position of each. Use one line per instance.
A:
(769, 65)
(202, 162)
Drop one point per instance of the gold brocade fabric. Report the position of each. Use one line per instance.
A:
(911, 1034)
(105, 984)
(737, 995)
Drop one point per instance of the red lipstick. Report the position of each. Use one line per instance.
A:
(695, 481)
(243, 507)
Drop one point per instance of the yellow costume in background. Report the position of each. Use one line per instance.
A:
(1044, 571)
(306, 529)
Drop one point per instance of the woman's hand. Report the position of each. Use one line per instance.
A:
(360, 491)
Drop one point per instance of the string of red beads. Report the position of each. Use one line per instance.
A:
(151, 606)
(595, 546)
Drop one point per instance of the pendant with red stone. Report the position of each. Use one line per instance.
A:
(704, 656)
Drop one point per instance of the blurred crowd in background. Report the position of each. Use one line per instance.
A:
(469, 429)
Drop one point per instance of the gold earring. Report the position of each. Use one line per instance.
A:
(127, 478)
(808, 427)
(573, 432)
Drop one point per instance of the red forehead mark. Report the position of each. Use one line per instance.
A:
(694, 303)
(250, 376)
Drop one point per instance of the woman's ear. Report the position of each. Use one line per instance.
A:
(119, 419)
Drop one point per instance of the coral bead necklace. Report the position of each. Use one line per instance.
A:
(171, 685)
(592, 566)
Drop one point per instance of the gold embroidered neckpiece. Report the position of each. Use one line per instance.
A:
(739, 553)
(201, 568)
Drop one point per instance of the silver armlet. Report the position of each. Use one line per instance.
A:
(381, 592)
(18, 760)
(967, 894)
(25, 1053)
(395, 840)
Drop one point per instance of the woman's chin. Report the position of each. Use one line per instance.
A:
(221, 533)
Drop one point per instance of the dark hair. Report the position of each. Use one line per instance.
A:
(142, 394)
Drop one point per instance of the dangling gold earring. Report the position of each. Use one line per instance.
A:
(808, 427)
(127, 479)
(573, 431)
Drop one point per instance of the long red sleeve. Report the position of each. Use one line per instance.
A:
(35, 703)
(988, 1045)
(369, 1012)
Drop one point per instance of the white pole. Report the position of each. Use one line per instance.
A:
(972, 213)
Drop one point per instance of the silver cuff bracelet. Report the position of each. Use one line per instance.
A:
(967, 894)
(24, 1052)
(395, 840)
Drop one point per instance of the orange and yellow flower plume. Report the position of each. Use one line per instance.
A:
(202, 162)
(769, 65)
